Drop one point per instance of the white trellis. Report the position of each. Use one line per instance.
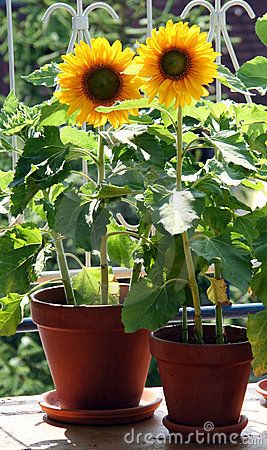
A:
(218, 28)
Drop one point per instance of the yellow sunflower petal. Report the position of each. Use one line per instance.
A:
(96, 75)
(177, 62)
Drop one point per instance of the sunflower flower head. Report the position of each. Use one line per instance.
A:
(177, 62)
(95, 76)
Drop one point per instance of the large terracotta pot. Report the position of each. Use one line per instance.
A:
(203, 383)
(93, 363)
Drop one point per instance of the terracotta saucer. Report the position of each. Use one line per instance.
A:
(148, 404)
(261, 388)
(206, 431)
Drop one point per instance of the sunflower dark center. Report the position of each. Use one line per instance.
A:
(102, 84)
(174, 63)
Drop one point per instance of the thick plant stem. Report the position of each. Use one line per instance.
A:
(104, 270)
(184, 325)
(101, 158)
(218, 310)
(179, 148)
(63, 267)
(219, 325)
(186, 245)
(103, 249)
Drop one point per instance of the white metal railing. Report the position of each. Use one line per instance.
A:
(81, 31)
(218, 28)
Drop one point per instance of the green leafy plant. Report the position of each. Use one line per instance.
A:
(187, 175)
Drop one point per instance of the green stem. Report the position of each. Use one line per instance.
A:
(219, 324)
(70, 255)
(101, 158)
(164, 111)
(104, 269)
(179, 147)
(63, 267)
(84, 175)
(84, 152)
(186, 245)
(184, 325)
(188, 147)
(104, 245)
(218, 310)
(45, 283)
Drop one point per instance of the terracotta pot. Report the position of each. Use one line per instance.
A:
(203, 382)
(93, 363)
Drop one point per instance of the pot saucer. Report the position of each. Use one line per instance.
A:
(148, 404)
(203, 434)
(261, 388)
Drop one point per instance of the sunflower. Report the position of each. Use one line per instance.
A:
(177, 61)
(96, 76)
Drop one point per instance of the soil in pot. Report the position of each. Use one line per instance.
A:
(93, 363)
(203, 383)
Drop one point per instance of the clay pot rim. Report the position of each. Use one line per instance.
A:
(56, 305)
(212, 346)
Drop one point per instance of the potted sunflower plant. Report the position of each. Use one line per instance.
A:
(95, 365)
(205, 168)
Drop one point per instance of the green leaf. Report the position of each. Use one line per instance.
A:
(231, 81)
(16, 117)
(10, 313)
(151, 306)
(177, 215)
(259, 283)
(217, 218)
(42, 164)
(53, 114)
(162, 133)
(45, 76)
(128, 104)
(198, 112)
(131, 176)
(233, 148)
(257, 334)
(159, 151)
(261, 28)
(87, 287)
(253, 74)
(85, 223)
(5, 144)
(111, 191)
(18, 249)
(260, 247)
(120, 247)
(246, 225)
(79, 138)
(235, 259)
(5, 179)
(11, 103)
(250, 113)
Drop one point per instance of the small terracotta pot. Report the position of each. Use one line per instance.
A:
(203, 382)
(93, 363)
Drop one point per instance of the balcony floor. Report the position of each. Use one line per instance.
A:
(22, 427)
